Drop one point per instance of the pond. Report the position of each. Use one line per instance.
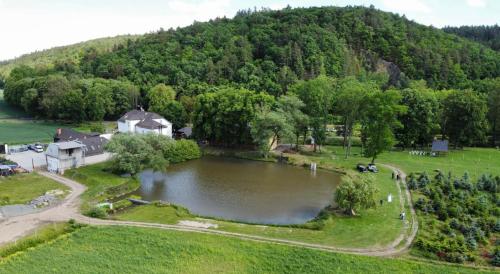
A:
(242, 190)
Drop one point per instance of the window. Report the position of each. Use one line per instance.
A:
(70, 151)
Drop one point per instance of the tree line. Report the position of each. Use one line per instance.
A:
(486, 35)
(410, 117)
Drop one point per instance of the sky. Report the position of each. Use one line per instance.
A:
(31, 25)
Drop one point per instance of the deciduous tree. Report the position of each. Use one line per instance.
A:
(355, 193)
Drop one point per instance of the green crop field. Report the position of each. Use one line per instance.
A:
(145, 250)
(22, 188)
(24, 132)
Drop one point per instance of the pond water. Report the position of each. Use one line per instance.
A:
(242, 190)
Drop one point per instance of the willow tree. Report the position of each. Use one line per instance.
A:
(355, 193)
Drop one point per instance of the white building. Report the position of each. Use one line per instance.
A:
(139, 121)
(65, 155)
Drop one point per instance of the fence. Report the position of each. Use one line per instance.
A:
(17, 149)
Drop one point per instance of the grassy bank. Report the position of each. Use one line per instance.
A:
(22, 188)
(127, 250)
(101, 183)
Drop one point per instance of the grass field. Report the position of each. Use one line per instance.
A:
(476, 161)
(144, 250)
(26, 131)
(22, 188)
(14, 130)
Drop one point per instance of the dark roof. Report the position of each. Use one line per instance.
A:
(149, 123)
(139, 115)
(67, 134)
(187, 131)
(69, 145)
(440, 146)
(94, 144)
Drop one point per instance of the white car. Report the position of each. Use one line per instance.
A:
(36, 147)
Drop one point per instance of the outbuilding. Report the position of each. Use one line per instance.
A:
(94, 142)
(65, 155)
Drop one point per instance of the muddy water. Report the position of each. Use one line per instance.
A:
(242, 190)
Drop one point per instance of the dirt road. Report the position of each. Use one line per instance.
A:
(16, 227)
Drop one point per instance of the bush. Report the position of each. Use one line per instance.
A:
(182, 150)
(496, 257)
(97, 212)
(121, 204)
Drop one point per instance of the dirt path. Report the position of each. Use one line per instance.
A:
(16, 227)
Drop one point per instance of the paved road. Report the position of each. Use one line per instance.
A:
(16, 227)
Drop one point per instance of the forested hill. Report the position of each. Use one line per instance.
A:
(486, 35)
(70, 53)
(268, 49)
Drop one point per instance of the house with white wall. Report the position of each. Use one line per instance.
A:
(65, 155)
(142, 122)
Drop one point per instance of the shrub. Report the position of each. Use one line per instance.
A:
(496, 257)
(182, 150)
(122, 204)
(423, 180)
(97, 212)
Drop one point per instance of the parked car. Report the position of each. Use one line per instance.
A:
(373, 168)
(361, 168)
(36, 147)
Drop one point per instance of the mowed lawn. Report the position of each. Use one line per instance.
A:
(476, 161)
(22, 188)
(147, 250)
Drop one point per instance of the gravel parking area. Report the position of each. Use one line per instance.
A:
(28, 158)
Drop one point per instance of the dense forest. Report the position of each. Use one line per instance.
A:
(486, 35)
(71, 53)
(237, 79)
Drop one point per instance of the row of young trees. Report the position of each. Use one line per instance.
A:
(465, 216)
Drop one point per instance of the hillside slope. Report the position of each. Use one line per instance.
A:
(266, 50)
(486, 35)
(72, 52)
